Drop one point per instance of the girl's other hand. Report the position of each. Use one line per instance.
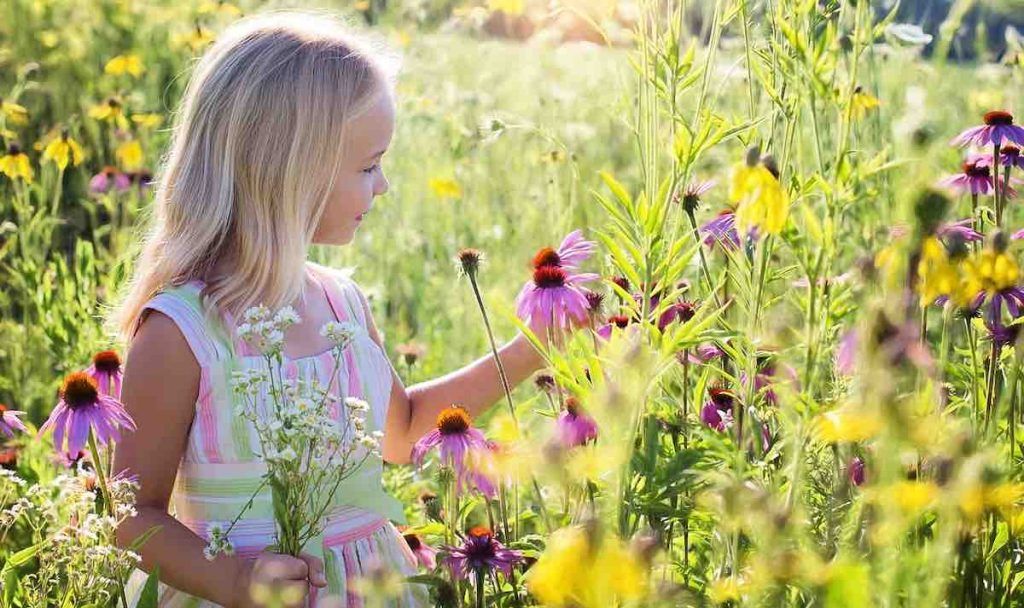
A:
(284, 578)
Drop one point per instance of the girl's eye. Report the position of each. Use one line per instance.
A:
(371, 169)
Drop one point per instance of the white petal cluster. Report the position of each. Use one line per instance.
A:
(265, 333)
(219, 543)
(340, 333)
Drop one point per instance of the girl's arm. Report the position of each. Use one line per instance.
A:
(413, 411)
(160, 387)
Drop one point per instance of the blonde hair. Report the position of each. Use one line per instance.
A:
(256, 144)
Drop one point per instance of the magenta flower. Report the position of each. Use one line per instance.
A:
(1011, 156)
(553, 296)
(9, 421)
(573, 251)
(426, 556)
(691, 195)
(573, 426)
(717, 413)
(454, 437)
(106, 370)
(702, 354)
(481, 470)
(1013, 299)
(855, 471)
(619, 321)
(767, 377)
(846, 354)
(961, 229)
(681, 311)
(481, 552)
(721, 230)
(107, 178)
(998, 128)
(975, 177)
(82, 407)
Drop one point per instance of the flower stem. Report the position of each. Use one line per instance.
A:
(101, 475)
(494, 349)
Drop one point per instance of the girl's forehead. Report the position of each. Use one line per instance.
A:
(371, 132)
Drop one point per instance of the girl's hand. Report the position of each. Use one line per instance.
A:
(283, 577)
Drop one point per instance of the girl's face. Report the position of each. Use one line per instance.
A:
(361, 176)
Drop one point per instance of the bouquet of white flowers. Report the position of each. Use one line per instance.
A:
(308, 447)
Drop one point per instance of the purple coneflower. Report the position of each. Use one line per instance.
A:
(482, 470)
(573, 426)
(682, 311)
(959, 229)
(106, 370)
(83, 407)
(1011, 156)
(702, 354)
(9, 421)
(998, 128)
(109, 177)
(553, 295)
(620, 321)
(975, 177)
(721, 230)
(573, 251)
(855, 471)
(426, 556)
(454, 437)
(846, 354)
(717, 412)
(1013, 298)
(691, 195)
(481, 552)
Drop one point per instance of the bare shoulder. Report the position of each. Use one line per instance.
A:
(160, 354)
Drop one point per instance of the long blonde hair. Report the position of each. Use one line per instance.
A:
(256, 144)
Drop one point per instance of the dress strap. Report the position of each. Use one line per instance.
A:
(183, 304)
(340, 294)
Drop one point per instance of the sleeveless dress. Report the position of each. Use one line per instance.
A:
(220, 470)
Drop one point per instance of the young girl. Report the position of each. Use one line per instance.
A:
(276, 147)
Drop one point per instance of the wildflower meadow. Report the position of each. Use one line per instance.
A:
(769, 251)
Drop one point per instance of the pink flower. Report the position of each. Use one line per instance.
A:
(721, 230)
(426, 556)
(975, 178)
(83, 408)
(691, 195)
(481, 552)
(106, 370)
(454, 437)
(573, 426)
(573, 251)
(960, 228)
(855, 471)
(846, 354)
(109, 176)
(998, 128)
(553, 296)
(717, 413)
(619, 321)
(9, 422)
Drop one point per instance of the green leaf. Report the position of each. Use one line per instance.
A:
(149, 596)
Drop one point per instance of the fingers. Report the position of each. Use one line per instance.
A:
(283, 567)
(315, 566)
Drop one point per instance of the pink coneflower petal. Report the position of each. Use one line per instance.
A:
(997, 130)
(573, 426)
(454, 437)
(82, 407)
(10, 423)
(574, 249)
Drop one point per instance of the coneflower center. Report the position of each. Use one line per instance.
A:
(973, 170)
(546, 277)
(1010, 151)
(80, 390)
(572, 405)
(998, 117)
(547, 257)
(107, 361)
(413, 541)
(722, 397)
(453, 421)
(619, 321)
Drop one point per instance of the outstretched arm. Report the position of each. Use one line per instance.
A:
(477, 386)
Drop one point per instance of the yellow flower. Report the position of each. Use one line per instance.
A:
(724, 590)
(445, 188)
(124, 64)
(511, 7)
(862, 103)
(988, 271)
(762, 201)
(224, 8)
(49, 38)
(15, 113)
(847, 424)
(111, 110)
(195, 39)
(362, 5)
(63, 150)
(911, 497)
(15, 164)
(980, 498)
(553, 156)
(936, 275)
(149, 120)
(129, 154)
(571, 572)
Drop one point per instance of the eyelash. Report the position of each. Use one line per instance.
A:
(371, 169)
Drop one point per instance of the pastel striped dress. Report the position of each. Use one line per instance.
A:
(221, 468)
